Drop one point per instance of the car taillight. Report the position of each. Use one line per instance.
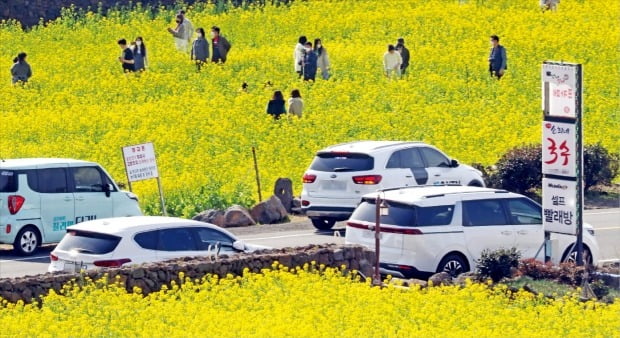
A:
(15, 203)
(367, 179)
(53, 257)
(309, 178)
(305, 203)
(112, 263)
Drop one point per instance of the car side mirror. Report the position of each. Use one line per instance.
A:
(454, 163)
(107, 188)
(239, 245)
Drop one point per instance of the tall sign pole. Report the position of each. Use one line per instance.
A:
(562, 151)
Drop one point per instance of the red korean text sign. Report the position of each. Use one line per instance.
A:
(140, 162)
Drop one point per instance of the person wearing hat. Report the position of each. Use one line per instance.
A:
(404, 53)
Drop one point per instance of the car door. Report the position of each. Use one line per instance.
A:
(526, 217)
(438, 167)
(57, 201)
(176, 242)
(405, 168)
(91, 202)
(485, 226)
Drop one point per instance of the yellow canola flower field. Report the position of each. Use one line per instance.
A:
(306, 302)
(80, 105)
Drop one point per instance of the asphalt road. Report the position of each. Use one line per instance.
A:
(606, 223)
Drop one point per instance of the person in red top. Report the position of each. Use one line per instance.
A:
(221, 46)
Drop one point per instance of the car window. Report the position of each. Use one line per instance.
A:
(179, 239)
(434, 158)
(405, 158)
(483, 212)
(343, 162)
(208, 236)
(398, 214)
(88, 242)
(523, 211)
(436, 215)
(147, 240)
(87, 179)
(51, 181)
(8, 181)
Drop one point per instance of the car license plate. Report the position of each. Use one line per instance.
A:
(73, 267)
(334, 185)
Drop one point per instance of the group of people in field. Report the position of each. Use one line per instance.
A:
(308, 57)
(133, 57)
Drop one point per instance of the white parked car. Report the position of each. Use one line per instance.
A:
(115, 242)
(341, 174)
(434, 229)
(41, 197)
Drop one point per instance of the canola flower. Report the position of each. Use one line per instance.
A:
(308, 301)
(79, 105)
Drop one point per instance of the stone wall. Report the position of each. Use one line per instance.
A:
(151, 277)
(28, 12)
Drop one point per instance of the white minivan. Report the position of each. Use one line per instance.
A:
(446, 228)
(41, 197)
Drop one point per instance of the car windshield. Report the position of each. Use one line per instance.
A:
(88, 242)
(405, 215)
(342, 162)
(8, 181)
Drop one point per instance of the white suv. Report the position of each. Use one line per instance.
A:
(434, 229)
(341, 174)
(41, 197)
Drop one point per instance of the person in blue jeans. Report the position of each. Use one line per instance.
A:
(310, 62)
(497, 58)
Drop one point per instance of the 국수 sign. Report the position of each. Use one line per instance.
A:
(561, 86)
(559, 148)
(140, 162)
(559, 206)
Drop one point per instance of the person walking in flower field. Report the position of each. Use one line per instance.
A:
(295, 103)
(126, 59)
(404, 53)
(322, 58)
(200, 49)
(189, 27)
(276, 106)
(139, 55)
(221, 46)
(298, 54)
(310, 63)
(180, 34)
(391, 62)
(21, 70)
(497, 58)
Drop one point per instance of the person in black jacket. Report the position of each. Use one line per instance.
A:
(20, 71)
(276, 105)
(404, 53)
(126, 59)
(200, 49)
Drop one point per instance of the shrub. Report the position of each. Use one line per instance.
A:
(600, 166)
(519, 170)
(498, 264)
(536, 269)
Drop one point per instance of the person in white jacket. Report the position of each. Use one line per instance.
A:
(391, 62)
(298, 55)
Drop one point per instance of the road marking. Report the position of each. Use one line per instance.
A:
(23, 259)
(284, 236)
(602, 213)
(609, 228)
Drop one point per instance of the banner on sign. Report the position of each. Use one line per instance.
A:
(140, 162)
(559, 148)
(559, 206)
(559, 89)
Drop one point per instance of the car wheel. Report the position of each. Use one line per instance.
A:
(27, 241)
(323, 223)
(572, 258)
(453, 264)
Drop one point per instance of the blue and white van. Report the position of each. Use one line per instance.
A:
(41, 197)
